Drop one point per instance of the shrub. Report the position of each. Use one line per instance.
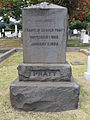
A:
(11, 26)
(77, 24)
(19, 25)
(2, 26)
(89, 25)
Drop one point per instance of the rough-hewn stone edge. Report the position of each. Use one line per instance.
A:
(44, 97)
(64, 72)
(7, 54)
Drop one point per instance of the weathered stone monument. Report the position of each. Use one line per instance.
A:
(45, 81)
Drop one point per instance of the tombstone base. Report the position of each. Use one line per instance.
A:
(44, 96)
(45, 72)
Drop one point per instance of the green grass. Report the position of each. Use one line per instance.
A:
(10, 43)
(73, 41)
(1, 53)
(8, 72)
(13, 43)
(84, 47)
(76, 42)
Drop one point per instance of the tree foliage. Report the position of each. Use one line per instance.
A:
(11, 8)
(77, 24)
(77, 9)
(82, 10)
(2, 26)
(70, 4)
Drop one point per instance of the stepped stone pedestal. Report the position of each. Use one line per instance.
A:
(45, 81)
(44, 96)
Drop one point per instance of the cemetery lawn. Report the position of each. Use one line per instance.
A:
(8, 72)
(10, 43)
(15, 43)
(76, 43)
(1, 53)
(73, 41)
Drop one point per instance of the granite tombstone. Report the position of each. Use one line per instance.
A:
(45, 81)
(44, 34)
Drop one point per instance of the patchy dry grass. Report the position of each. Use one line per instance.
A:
(1, 53)
(8, 73)
(10, 43)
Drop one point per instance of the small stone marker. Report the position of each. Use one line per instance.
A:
(2, 30)
(85, 39)
(0, 35)
(8, 34)
(75, 31)
(20, 34)
(83, 32)
(16, 32)
(45, 81)
(87, 74)
(88, 49)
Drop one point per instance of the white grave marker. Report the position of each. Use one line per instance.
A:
(0, 35)
(75, 31)
(83, 32)
(16, 29)
(85, 39)
(87, 74)
(7, 33)
(2, 30)
(19, 34)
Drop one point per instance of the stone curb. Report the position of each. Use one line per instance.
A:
(19, 49)
(3, 50)
(86, 52)
(7, 54)
(73, 49)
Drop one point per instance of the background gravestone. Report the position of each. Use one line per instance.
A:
(45, 81)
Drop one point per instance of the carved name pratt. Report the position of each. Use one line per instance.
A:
(39, 72)
(43, 73)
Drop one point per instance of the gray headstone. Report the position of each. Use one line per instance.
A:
(44, 34)
(45, 81)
